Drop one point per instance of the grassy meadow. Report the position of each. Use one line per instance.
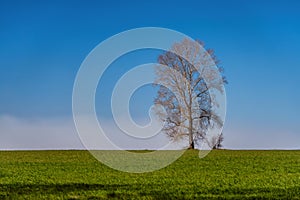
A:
(222, 174)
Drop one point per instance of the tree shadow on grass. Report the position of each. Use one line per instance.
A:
(130, 191)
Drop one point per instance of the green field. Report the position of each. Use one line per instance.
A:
(222, 174)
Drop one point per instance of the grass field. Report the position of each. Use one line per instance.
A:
(222, 174)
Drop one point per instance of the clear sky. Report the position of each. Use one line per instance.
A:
(42, 45)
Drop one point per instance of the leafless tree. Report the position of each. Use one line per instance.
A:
(188, 104)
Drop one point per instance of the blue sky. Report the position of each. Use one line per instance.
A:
(44, 43)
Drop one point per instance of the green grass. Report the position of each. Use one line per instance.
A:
(222, 174)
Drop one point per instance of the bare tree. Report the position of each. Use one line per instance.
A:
(185, 97)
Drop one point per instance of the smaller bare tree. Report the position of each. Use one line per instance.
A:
(217, 141)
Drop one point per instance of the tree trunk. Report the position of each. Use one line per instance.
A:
(191, 146)
(191, 138)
